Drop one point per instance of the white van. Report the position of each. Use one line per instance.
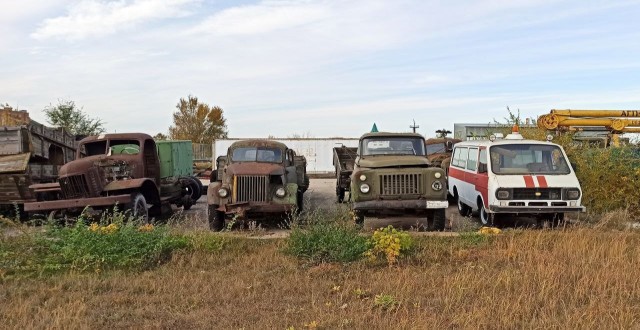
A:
(513, 176)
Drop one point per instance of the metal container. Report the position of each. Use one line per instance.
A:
(176, 158)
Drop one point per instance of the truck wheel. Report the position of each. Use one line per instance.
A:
(299, 202)
(340, 194)
(556, 220)
(463, 209)
(216, 218)
(193, 188)
(486, 218)
(439, 219)
(138, 207)
(358, 216)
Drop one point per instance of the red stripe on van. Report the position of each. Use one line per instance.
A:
(542, 181)
(528, 181)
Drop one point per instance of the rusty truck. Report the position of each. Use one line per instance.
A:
(392, 175)
(126, 169)
(256, 177)
(30, 153)
(344, 158)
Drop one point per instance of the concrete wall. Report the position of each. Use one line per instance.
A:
(319, 152)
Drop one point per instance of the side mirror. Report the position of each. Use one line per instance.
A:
(482, 168)
(213, 176)
(449, 145)
(574, 166)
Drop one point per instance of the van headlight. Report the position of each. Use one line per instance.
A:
(281, 192)
(503, 194)
(364, 188)
(222, 192)
(436, 185)
(573, 193)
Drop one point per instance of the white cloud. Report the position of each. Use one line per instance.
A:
(95, 18)
(262, 18)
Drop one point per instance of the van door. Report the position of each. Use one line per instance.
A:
(470, 177)
(482, 177)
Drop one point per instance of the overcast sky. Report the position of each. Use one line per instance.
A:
(319, 68)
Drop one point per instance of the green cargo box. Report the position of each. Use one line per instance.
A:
(176, 158)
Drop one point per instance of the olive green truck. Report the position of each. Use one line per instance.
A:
(392, 176)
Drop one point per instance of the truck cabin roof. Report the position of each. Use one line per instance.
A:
(389, 134)
(116, 136)
(258, 143)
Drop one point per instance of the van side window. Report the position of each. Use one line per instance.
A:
(472, 163)
(460, 157)
(483, 157)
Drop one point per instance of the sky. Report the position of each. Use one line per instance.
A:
(319, 68)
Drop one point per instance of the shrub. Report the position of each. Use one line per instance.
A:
(326, 242)
(390, 243)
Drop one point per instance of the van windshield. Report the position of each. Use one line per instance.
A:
(528, 159)
(392, 146)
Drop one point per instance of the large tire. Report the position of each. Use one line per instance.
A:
(194, 188)
(340, 194)
(138, 207)
(463, 208)
(486, 218)
(439, 220)
(299, 202)
(216, 218)
(359, 218)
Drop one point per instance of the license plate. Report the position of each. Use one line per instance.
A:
(437, 204)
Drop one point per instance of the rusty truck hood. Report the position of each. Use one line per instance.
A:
(255, 169)
(393, 161)
(80, 166)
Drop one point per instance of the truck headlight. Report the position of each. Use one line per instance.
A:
(363, 177)
(438, 175)
(280, 192)
(436, 185)
(222, 192)
(573, 193)
(364, 188)
(503, 194)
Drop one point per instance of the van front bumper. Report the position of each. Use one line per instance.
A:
(536, 209)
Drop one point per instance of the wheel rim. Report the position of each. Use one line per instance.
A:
(460, 207)
(139, 210)
(484, 216)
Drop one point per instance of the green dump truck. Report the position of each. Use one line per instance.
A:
(393, 176)
(131, 170)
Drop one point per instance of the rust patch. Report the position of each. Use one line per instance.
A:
(255, 168)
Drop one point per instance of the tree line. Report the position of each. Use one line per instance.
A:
(193, 120)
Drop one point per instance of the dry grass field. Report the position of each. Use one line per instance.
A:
(577, 278)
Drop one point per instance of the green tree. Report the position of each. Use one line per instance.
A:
(66, 114)
(197, 121)
(160, 137)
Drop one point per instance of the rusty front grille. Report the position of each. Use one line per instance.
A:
(401, 184)
(252, 188)
(74, 186)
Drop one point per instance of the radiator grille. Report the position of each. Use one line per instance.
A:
(74, 186)
(530, 193)
(252, 188)
(401, 184)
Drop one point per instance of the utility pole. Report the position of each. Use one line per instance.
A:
(414, 126)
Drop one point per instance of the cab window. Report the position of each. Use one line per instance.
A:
(472, 162)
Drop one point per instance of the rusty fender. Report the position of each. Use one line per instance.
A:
(77, 203)
(126, 184)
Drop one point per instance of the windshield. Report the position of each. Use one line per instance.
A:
(116, 147)
(252, 154)
(528, 159)
(392, 146)
(436, 148)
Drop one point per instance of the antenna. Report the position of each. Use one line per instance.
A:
(414, 126)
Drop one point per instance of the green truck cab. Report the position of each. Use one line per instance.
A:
(256, 177)
(392, 175)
